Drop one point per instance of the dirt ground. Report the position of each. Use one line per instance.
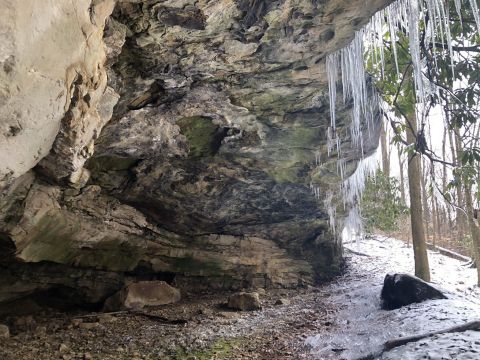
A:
(196, 328)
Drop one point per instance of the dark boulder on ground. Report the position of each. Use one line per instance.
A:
(403, 289)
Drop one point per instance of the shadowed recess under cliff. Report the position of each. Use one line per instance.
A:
(187, 147)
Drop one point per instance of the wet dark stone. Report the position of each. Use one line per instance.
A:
(189, 17)
(328, 35)
(403, 289)
(254, 11)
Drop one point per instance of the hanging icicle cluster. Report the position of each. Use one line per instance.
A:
(405, 16)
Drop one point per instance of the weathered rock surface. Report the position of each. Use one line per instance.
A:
(170, 139)
(143, 293)
(4, 331)
(52, 84)
(244, 301)
(404, 289)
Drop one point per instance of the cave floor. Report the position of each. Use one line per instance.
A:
(339, 320)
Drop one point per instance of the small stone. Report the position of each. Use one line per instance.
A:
(63, 348)
(106, 318)
(27, 321)
(4, 331)
(261, 291)
(244, 301)
(88, 326)
(87, 356)
(282, 301)
(227, 314)
(41, 330)
(205, 311)
(76, 322)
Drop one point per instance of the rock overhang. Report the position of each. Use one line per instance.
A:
(204, 167)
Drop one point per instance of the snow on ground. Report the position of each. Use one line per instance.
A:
(360, 327)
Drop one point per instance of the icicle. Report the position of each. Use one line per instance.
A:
(391, 15)
(414, 44)
(354, 223)
(331, 211)
(449, 39)
(353, 187)
(476, 13)
(402, 14)
(458, 8)
(332, 68)
(317, 158)
(330, 140)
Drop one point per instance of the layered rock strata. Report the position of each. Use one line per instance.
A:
(170, 140)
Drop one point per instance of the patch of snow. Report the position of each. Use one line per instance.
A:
(458, 346)
(361, 327)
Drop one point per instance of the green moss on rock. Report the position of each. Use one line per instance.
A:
(201, 134)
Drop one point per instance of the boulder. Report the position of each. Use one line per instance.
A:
(4, 331)
(244, 301)
(282, 301)
(403, 289)
(142, 293)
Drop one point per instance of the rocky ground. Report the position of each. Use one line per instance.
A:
(340, 320)
(197, 328)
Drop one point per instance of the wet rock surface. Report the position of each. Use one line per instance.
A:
(403, 289)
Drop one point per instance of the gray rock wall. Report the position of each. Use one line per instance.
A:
(173, 138)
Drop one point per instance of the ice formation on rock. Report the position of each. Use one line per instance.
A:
(405, 16)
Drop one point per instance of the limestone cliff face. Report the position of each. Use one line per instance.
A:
(168, 139)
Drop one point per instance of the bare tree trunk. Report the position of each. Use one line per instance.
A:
(426, 210)
(385, 154)
(446, 211)
(460, 216)
(440, 214)
(444, 166)
(402, 178)
(473, 227)
(434, 220)
(422, 269)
